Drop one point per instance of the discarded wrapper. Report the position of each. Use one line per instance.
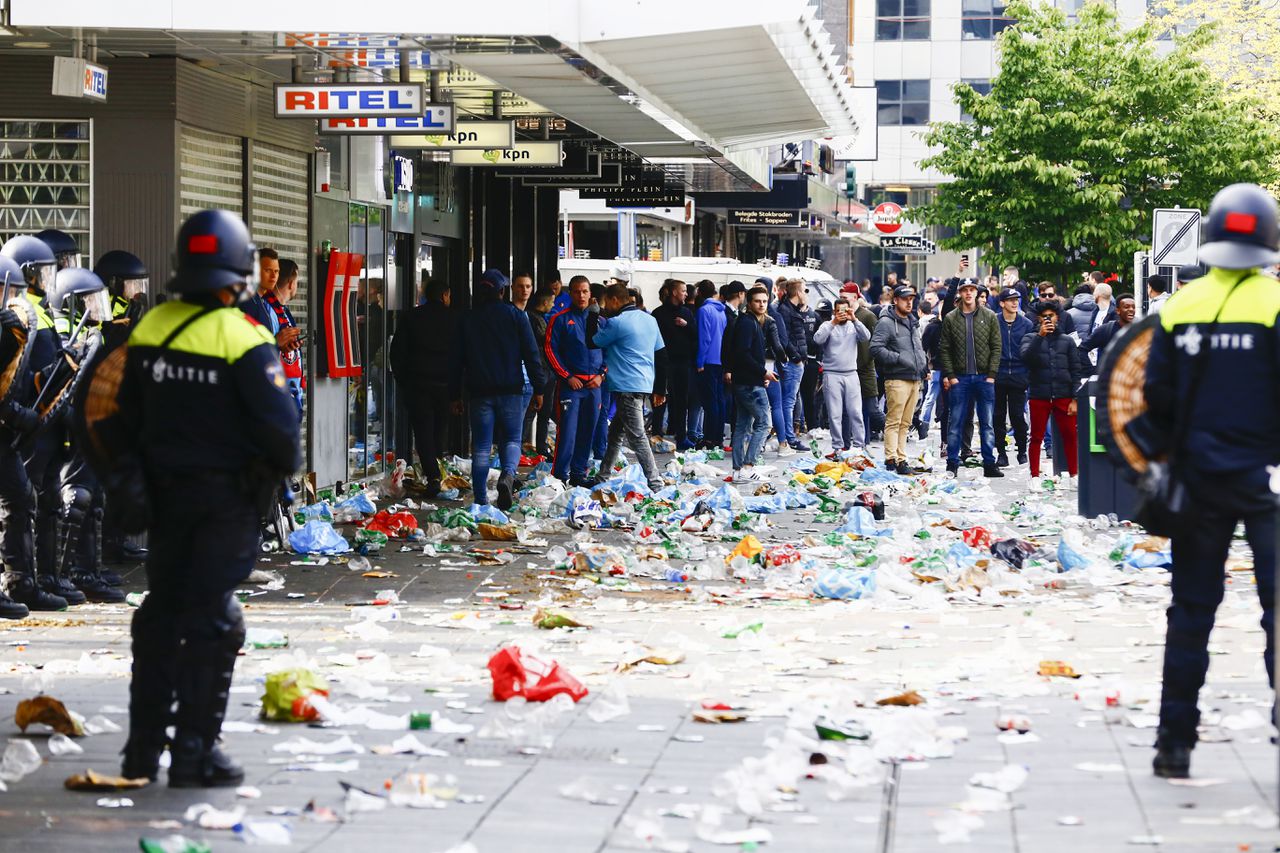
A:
(902, 699)
(91, 780)
(1057, 669)
(50, 712)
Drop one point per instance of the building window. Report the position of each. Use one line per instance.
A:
(903, 102)
(983, 19)
(46, 166)
(902, 20)
(982, 87)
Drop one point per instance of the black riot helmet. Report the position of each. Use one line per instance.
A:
(64, 247)
(36, 260)
(11, 277)
(78, 293)
(214, 251)
(1242, 230)
(125, 276)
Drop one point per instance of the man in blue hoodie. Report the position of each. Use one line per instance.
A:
(580, 372)
(1011, 381)
(712, 319)
(494, 341)
(634, 347)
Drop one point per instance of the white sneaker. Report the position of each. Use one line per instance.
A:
(745, 475)
(785, 450)
(1067, 483)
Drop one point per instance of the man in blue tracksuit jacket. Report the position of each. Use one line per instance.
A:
(712, 318)
(580, 374)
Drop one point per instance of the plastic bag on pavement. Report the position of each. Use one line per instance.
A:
(765, 503)
(844, 584)
(748, 547)
(20, 759)
(516, 673)
(582, 509)
(322, 511)
(860, 522)
(355, 506)
(392, 484)
(1070, 557)
(395, 525)
(726, 498)
(318, 537)
(629, 479)
(288, 692)
(488, 512)
(871, 501)
(1012, 551)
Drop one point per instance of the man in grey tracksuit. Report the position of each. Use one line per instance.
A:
(838, 338)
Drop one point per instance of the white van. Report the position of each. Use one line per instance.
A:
(648, 276)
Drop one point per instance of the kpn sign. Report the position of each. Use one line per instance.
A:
(520, 154)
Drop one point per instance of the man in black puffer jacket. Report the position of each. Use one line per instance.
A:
(1056, 369)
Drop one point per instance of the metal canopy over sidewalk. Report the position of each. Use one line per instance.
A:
(696, 88)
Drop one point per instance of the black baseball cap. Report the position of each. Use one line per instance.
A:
(904, 291)
(1009, 293)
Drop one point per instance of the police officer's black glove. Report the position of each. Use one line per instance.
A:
(20, 420)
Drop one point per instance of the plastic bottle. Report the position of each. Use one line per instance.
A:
(419, 720)
(675, 575)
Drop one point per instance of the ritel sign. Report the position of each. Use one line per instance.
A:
(433, 118)
(79, 78)
(349, 100)
(520, 154)
(466, 134)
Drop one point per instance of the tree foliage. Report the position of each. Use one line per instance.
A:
(1086, 130)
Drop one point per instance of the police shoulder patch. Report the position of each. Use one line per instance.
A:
(276, 374)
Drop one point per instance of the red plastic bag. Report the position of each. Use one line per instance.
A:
(782, 555)
(977, 537)
(396, 526)
(518, 674)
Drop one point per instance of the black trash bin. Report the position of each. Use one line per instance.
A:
(1104, 488)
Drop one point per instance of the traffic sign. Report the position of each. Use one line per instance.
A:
(1175, 237)
(887, 217)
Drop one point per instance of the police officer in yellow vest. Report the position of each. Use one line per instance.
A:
(30, 505)
(1213, 388)
(215, 430)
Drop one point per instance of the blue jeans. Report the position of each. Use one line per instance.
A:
(711, 390)
(526, 397)
(789, 376)
(971, 389)
(931, 397)
(752, 418)
(503, 414)
(576, 414)
(774, 392)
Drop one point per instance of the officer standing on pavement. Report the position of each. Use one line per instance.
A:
(1216, 344)
(30, 514)
(214, 431)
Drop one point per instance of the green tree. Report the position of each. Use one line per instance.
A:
(1086, 130)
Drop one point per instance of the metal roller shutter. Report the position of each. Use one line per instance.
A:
(211, 166)
(278, 211)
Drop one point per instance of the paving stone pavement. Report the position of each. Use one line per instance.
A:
(973, 660)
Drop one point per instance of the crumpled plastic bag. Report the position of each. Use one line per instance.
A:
(582, 509)
(354, 507)
(1069, 558)
(287, 695)
(765, 503)
(860, 522)
(844, 584)
(872, 502)
(318, 537)
(399, 525)
(488, 512)
(1012, 551)
(629, 479)
(748, 547)
(516, 673)
(726, 498)
(322, 511)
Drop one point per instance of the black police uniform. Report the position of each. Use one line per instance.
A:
(1223, 458)
(206, 398)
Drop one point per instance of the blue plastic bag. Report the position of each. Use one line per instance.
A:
(583, 509)
(1149, 560)
(844, 584)
(860, 521)
(722, 498)
(798, 498)
(322, 511)
(1069, 558)
(359, 502)
(765, 503)
(318, 537)
(875, 476)
(629, 479)
(489, 513)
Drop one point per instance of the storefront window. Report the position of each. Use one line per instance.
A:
(45, 170)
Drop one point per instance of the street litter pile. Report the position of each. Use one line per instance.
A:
(857, 619)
